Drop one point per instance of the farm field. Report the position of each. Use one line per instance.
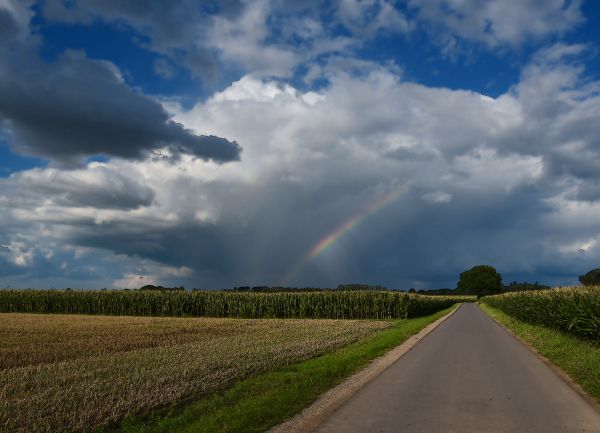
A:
(342, 304)
(79, 373)
(574, 310)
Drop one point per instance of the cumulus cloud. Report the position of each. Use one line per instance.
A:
(76, 107)
(478, 179)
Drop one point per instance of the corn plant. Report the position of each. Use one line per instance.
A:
(327, 304)
(575, 310)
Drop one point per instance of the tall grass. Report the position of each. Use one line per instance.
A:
(333, 305)
(575, 310)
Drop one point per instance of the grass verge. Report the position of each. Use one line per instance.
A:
(258, 403)
(578, 358)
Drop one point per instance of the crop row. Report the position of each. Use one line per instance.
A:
(575, 310)
(332, 305)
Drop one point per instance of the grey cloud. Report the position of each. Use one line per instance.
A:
(315, 162)
(95, 187)
(14, 20)
(369, 18)
(168, 24)
(163, 69)
(588, 191)
(8, 26)
(174, 28)
(499, 22)
(411, 154)
(203, 63)
(77, 107)
(270, 38)
(202, 247)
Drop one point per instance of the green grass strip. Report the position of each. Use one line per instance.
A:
(578, 358)
(258, 403)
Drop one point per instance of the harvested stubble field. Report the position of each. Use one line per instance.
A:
(79, 373)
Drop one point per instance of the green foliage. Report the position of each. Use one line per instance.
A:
(151, 287)
(575, 310)
(520, 287)
(480, 280)
(359, 287)
(592, 278)
(438, 292)
(331, 304)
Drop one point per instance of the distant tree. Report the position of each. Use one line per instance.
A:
(480, 280)
(160, 288)
(411, 290)
(360, 287)
(592, 278)
(522, 287)
(439, 292)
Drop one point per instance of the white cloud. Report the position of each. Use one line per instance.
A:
(366, 18)
(242, 40)
(153, 274)
(498, 22)
(437, 197)
(311, 161)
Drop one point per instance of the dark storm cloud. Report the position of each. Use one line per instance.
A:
(203, 247)
(77, 107)
(8, 26)
(589, 191)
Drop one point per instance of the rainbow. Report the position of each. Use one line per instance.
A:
(328, 240)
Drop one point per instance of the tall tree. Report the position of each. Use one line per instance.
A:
(480, 280)
(592, 278)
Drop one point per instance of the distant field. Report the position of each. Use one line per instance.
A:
(574, 310)
(335, 304)
(78, 373)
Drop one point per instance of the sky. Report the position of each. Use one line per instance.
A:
(224, 143)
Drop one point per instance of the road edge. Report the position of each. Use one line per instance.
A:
(312, 416)
(563, 375)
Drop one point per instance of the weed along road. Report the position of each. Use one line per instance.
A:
(468, 375)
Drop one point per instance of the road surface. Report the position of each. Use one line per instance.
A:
(468, 376)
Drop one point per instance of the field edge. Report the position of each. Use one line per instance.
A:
(264, 401)
(575, 361)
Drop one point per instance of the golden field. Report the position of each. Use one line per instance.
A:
(79, 373)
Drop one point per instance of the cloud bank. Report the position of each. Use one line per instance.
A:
(136, 189)
(481, 180)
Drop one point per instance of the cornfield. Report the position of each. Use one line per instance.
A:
(575, 310)
(323, 305)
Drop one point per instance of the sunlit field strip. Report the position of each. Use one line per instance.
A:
(76, 373)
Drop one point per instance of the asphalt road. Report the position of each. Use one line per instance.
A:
(469, 375)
